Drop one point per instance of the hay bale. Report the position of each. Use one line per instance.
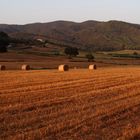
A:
(25, 67)
(92, 67)
(75, 68)
(2, 67)
(63, 68)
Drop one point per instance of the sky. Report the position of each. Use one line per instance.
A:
(30, 11)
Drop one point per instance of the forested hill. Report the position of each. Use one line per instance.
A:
(112, 35)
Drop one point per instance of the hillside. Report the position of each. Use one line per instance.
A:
(89, 35)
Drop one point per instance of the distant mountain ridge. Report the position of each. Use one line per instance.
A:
(89, 35)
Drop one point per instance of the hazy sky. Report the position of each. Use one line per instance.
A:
(29, 11)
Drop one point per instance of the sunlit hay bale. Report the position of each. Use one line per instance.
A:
(2, 67)
(75, 68)
(63, 68)
(25, 67)
(92, 67)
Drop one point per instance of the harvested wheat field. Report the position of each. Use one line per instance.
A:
(79, 104)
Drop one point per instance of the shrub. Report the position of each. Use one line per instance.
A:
(135, 53)
(90, 57)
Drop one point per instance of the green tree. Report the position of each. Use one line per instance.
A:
(90, 57)
(4, 42)
(135, 53)
(71, 51)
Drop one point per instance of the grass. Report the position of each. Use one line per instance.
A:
(126, 55)
(79, 104)
(38, 53)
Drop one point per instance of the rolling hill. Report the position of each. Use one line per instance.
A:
(88, 35)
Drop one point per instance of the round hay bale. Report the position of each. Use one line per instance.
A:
(75, 68)
(63, 68)
(2, 67)
(25, 67)
(92, 67)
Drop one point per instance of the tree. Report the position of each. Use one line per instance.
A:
(71, 51)
(4, 42)
(90, 57)
(135, 53)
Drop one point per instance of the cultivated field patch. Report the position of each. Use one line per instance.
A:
(78, 104)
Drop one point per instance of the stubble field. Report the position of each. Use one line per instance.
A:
(79, 104)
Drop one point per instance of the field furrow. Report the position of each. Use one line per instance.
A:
(76, 104)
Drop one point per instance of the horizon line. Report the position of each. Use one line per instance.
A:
(68, 21)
